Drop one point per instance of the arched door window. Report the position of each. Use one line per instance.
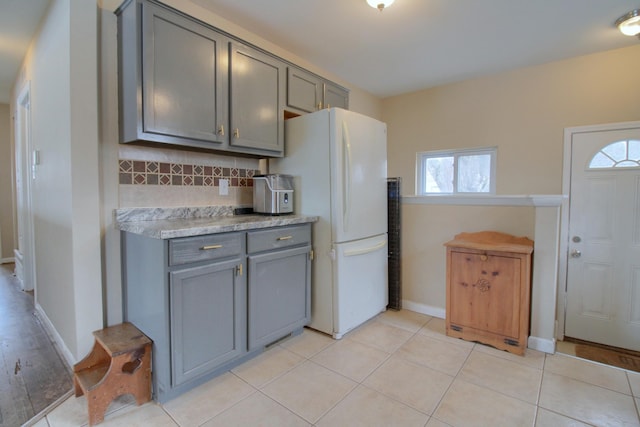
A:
(620, 154)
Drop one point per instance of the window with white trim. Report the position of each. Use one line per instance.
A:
(471, 171)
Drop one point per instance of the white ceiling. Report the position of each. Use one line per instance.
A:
(415, 44)
(19, 20)
(412, 45)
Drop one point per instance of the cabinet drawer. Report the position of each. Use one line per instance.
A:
(202, 248)
(276, 238)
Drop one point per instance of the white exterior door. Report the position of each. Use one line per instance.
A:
(603, 274)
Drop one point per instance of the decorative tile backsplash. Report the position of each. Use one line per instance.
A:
(141, 172)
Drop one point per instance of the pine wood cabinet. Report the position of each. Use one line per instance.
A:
(489, 289)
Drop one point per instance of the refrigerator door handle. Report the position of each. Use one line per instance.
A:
(346, 176)
(366, 250)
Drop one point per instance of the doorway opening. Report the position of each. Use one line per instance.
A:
(24, 168)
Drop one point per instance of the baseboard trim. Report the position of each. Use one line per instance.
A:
(424, 309)
(10, 260)
(46, 411)
(55, 336)
(545, 345)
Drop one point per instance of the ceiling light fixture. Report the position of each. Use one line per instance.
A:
(629, 23)
(380, 4)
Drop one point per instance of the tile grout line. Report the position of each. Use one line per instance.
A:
(361, 383)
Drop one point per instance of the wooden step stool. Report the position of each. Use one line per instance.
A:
(119, 363)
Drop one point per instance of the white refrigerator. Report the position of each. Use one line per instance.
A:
(339, 162)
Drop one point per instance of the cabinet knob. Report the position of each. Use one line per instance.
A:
(221, 130)
(236, 133)
(483, 257)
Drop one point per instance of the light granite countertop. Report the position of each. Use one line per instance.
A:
(169, 223)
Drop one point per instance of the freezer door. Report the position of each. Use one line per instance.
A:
(360, 282)
(358, 176)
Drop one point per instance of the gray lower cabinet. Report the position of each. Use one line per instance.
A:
(211, 302)
(189, 296)
(279, 283)
(207, 318)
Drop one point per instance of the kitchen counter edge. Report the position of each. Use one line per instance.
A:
(188, 227)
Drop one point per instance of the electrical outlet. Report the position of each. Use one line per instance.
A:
(223, 185)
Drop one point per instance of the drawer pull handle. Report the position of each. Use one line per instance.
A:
(285, 238)
(207, 248)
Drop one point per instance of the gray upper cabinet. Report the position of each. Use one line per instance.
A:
(335, 96)
(307, 92)
(257, 101)
(186, 83)
(304, 90)
(173, 79)
(210, 302)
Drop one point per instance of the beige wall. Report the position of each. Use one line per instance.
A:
(427, 228)
(61, 67)
(523, 113)
(7, 244)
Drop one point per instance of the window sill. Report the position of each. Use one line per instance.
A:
(489, 200)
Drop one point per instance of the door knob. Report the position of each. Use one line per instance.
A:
(576, 253)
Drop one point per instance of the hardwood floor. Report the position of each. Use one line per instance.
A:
(32, 373)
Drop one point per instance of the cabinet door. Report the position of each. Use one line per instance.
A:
(484, 293)
(304, 90)
(257, 101)
(207, 318)
(335, 96)
(184, 79)
(279, 294)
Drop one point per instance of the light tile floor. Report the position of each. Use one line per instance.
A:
(399, 369)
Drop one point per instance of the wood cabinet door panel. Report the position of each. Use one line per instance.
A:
(485, 292)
